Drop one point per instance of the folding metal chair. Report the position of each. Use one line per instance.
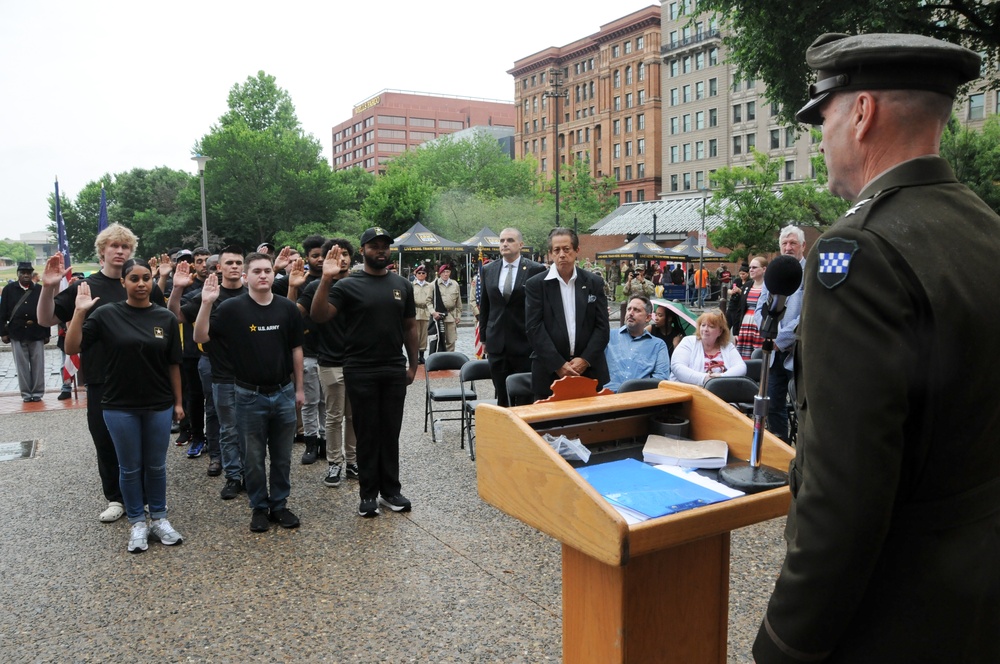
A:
(519, 389)
(443, 362)
(472, 371)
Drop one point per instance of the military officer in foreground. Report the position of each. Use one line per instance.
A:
(894, 528)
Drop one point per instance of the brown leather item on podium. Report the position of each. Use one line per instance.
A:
(656, 591)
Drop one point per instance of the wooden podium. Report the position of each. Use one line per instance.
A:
(656, 591)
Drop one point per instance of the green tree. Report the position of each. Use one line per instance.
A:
(266, 174)
(398, 199)
(17, 251)
(768, 42)
(583, 196)
(754, 208)
(975, 156)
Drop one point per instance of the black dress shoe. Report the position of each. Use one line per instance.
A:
(285, 518)
(259, 522)
(65, 394)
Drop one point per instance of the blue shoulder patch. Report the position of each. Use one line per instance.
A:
(835, 256)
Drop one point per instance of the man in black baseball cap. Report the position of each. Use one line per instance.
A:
(19, 327)
(893, 528)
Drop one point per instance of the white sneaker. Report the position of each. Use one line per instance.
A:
(162, 530)
(114, 512)
(137, 537)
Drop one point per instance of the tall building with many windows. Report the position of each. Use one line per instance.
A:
(392, 121)
(713, 119)
(596, 100)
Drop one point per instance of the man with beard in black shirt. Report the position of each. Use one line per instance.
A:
(262, 335)
(114, 246)
(381, 319)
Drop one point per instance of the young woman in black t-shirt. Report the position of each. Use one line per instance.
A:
(142, 393)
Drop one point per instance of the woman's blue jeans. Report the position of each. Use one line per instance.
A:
(141, 439)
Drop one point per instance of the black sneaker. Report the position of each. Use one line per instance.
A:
(183, 439)
(64, 394)
(397, 503)
(232, 489)
(285, 518)
(368, 508)
(214, 468)
(351, 471)
(332, 475)
(259, 522)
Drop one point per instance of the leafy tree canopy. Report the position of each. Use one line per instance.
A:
(768, 42)
(975, 156)
(17, 251)
(754, 208)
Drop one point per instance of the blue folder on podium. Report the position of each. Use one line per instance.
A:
(641, 488)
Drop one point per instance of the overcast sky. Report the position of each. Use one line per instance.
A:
(103, 87)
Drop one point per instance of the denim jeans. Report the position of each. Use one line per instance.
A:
(341, 443)
(267, 427)
(211, 417)
(230, 446)
(141, 439)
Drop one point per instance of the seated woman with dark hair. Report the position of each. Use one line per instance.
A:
(665, 325)
(708, 353)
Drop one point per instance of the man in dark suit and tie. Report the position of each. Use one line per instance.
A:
(566, 312)
(501, 311)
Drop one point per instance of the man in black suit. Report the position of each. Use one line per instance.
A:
(501, 312)
(566, 312)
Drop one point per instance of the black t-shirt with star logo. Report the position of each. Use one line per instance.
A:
(139, 346)
(258, 338)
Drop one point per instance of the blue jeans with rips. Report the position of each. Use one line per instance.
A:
(224, 400)
(141, 439)
(267, 427)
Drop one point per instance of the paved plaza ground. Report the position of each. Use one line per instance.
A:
(455, 580)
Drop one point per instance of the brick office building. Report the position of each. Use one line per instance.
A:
(392, 121)
(610, 113)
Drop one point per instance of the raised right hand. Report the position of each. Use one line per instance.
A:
(84, 302)
(210, 291)
(331, 264)
(182, 275)
(53, 272)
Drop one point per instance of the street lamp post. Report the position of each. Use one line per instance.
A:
(556, 93)
(202, 160)
(701, 247)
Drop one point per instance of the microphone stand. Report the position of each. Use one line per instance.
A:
(752, 476)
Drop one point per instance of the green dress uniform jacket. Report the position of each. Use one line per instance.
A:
(894, 529)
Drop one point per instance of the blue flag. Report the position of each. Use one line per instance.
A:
(102, 222)
(61, 237)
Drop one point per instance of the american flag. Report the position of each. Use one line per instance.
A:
(72, 363)
(480, 347)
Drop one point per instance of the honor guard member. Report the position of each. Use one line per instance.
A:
(894, 528)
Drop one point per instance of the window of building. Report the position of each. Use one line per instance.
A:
(642, 97)
(616, 127)
(618, 104)
(628, 171)
(525, 127)
(391, 119)
(628, 100)
(586, 134)
(640, 195)
(527, 147)
(713, 117)
(686, 64)
(775, 108)
(618, 173)
(532, 80)
(713, 56)
(369, 121)
(751, 141)
(713, 147)
(737, 145)
(674, 96)
(977, 106)
(699, 61)
(524, 83)
(391, 147)
(687, 152)
(628, 125)
(686, 93)
(628, 194)
(751, 111)
(737, 113)
(422, 135)
(640, 121)
(544, 164)
(545, 143)
(687, 122)
(687, 181)
(576, 69)
(591, 96)
(736, 85)
(673, 183)
(699, 90)
(451, 124)
(640, 146)
(674, 67)
(674, 125)
(790, 170)
(699, 179)
(541, 78)
(674, 154)
(579, 136)
(617, 77)
(640, 170)
(699, 120)
(751, 84)
(628, 75)
(421, 122)
(543, 123)
(642, 71)
(534, 125)
(615, 51)
(699, 150)
(775, 139)
(628, 148)
(640, 41)
(391, 133)
(789, 137)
